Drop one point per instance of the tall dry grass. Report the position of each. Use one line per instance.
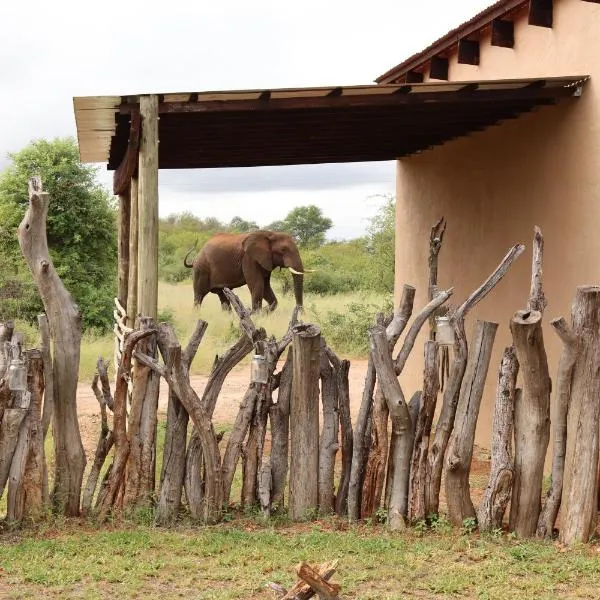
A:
(176, 306)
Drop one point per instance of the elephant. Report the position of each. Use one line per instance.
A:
(231, 260)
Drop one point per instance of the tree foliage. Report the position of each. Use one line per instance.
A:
(81, 230)
(381, 245)
(307, 224)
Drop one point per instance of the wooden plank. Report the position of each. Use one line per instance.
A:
(123, 245)
(129, 164)
(148, 208)
(132, 295)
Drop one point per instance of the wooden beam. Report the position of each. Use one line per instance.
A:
(129, 164)
(123, 245)
(438, 68)
(148, 209)
(414, 77)
(336, 92)
(503, 33)
(541, 13)
(468, 52)
(265, 96)
(133, 255)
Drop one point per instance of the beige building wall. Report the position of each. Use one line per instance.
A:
(494, 186)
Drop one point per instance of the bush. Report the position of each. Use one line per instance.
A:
(349, 330)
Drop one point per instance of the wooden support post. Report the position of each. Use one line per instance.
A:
(304, 421)
(123, 245)
(148, 209)
(132, 285)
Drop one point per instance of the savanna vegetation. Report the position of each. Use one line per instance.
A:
(353, 279)
(131, 558)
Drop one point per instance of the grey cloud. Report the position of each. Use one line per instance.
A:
(289, 178)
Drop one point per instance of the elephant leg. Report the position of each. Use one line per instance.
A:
(270, 295)
(225, 305)
(257, 293)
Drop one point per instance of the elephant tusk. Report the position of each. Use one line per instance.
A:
(310, 270)
(295, 272)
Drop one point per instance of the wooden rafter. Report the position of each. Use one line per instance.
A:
(129, 164)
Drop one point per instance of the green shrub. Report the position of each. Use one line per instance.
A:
(349, 329)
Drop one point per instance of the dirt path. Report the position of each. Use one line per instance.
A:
(233, 390)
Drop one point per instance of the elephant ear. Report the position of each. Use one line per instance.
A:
(257, 248)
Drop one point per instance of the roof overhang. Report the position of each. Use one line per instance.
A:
(311, 125)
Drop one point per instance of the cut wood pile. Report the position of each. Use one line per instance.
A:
(313, 581)
(293, 439)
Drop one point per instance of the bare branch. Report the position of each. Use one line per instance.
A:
(537, 300)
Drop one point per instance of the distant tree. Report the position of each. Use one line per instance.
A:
(307, 224)
(241, 225)
(81, 229)
(381, 244)
(277, 226)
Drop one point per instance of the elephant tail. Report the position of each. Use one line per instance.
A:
(185, 262)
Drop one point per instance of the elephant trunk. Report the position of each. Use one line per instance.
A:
(296, 268)
(298, 288)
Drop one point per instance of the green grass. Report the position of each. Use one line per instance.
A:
(237, 560)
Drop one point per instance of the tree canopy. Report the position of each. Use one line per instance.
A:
(81, 230)
(307, 224)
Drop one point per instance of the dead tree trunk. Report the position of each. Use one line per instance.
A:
(174, 455)
(402, 435)
(497, 493)
(9, 435)
(304, 423)
(236, 439)
(221, 368)
(460, 447)
(329, 444)
(418, 470)
(378, 457)
(362, 443)
(445, 423)
(141, 431)
(564, 380)
(35, 468)
(177, 376)
(115, 481)
(280, 429)
(580, 491)
(362, 431)
(532, 422)
(341, 500)
(15, 508)
(105, 442)
(65, 328)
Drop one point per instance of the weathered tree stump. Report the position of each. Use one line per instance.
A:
(304, 422)
(564, 380)
(418, 470)
(174, 455)
(460, 447)
(579, 503)
(450, 398)
(105, 441)
(497, 492)
(329, 443)
(279, 415)
(65, 328)
(532, 422)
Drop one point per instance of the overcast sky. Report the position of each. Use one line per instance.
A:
(52, 51)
